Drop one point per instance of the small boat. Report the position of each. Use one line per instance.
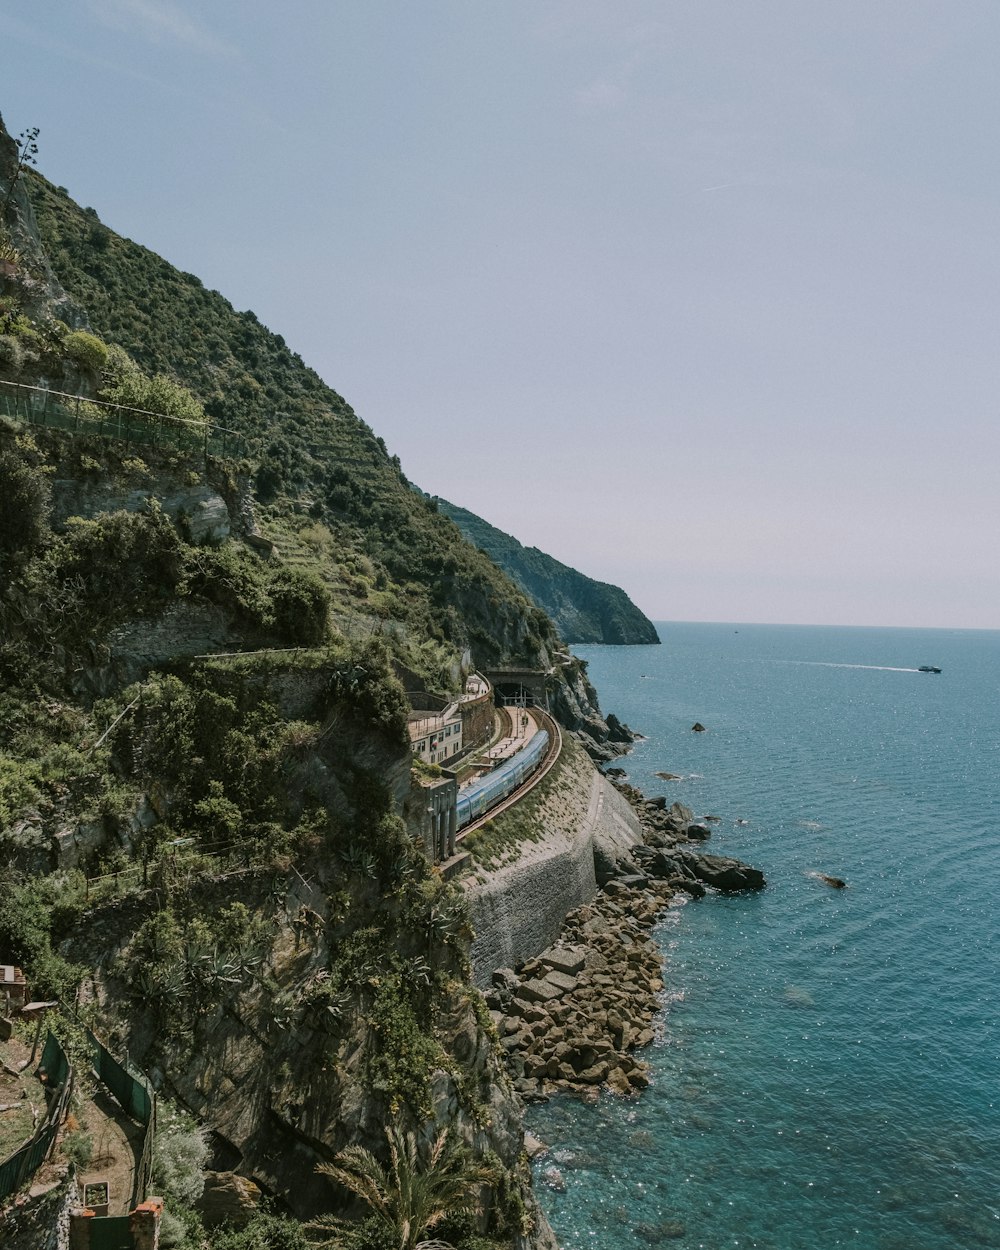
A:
(928, 668)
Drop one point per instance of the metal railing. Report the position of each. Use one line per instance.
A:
(133, 426)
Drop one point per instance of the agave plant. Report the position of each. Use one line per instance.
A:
(417, 971)
(410, 1196)
(448, 921)
(359, 861)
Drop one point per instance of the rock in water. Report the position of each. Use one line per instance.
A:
(723, 872)
(836, 882)
(554, 1179)
(698, 727)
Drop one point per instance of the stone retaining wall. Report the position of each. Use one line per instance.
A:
(518, 909)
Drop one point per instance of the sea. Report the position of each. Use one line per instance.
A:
(826, 1070)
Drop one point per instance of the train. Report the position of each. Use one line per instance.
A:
(476, 799)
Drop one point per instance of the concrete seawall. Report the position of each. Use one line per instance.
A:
(518, 907)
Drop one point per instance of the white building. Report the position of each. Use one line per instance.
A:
(435, 738)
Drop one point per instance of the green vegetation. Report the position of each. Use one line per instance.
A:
(35, 914)
(264, 1232)
(87, 352)
(245, 907)
(180, 1150)
(123, 382)
(409, 1197)
(335, 497)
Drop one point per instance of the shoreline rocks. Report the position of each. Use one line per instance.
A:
(572, 1018)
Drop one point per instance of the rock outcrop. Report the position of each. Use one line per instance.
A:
(583, 609)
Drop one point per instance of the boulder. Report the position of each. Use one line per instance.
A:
(698, 727)
(660, 865)
(629, 881)
(617, 730)
(539, 991)
(533, 1147)
(505, 979)
(569, 959)
(612, 861)
(228, 1199)
(690, 886)
(554, 1179)
(563, 981)
(836, 882)
(723, 873)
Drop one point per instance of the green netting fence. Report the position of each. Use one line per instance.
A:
(133, 426)
(129, 1087)
(20, 1167)
(53, 1062)
(137, 1099)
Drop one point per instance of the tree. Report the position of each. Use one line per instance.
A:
(411, 1196)
(24, 507)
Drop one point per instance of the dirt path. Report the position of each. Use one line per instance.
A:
(116, 1143)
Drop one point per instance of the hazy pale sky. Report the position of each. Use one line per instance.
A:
(700, 297)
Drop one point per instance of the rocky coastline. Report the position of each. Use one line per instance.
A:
(572, 1019)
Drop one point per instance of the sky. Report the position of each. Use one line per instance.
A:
(699, 297)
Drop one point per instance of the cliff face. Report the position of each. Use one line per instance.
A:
(584, 610)
(37, 286)
(273, 950)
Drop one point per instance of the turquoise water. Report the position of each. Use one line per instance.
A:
(828, 1066)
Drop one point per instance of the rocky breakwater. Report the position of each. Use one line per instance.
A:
(572, 1018)
(667, 851)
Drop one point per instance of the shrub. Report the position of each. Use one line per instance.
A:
(86, 351)
(17, 789)
(24, 506)
(301, 606)
(264, 1232)
(11, 354)
(179, 1153)
(125, 562)
(78, 1147)
(123, 382)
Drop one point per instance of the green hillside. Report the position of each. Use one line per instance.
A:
(584, 610)
(329, 491)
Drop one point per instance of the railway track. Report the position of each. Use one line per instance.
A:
(543, 721)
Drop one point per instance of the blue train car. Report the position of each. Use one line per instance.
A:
(476, 799)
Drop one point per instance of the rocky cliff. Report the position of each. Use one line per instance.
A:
(271, 947)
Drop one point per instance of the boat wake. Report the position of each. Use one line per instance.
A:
(878, 668)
